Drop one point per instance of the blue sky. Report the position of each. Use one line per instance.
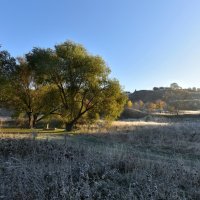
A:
(146, 43)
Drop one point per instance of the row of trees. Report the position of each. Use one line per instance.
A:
(172, 106)
(158, 105)
(66, 82)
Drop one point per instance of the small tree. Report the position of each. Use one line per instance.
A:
(141, 104)
(171, 109)
(151, 107)
(129, 104)
(160, 105)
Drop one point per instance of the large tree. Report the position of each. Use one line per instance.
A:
(31, 97)
(81, 80)
(7, 64)
(21, 91)
(7, 67)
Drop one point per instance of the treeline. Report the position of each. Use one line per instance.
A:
(175, 98)
(173, 106)
(65, 83)
(157, 106)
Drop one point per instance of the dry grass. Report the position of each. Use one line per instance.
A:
(131, 160)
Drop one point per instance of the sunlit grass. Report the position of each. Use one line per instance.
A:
(100, 128)
(61, 134)
(24, 130)
(18, 133)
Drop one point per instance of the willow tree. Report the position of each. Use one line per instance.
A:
(81, 80)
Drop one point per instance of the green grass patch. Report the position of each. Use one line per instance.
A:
(24, 130)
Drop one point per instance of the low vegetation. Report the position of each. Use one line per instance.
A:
(129, 160)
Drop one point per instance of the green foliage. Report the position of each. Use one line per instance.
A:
(7, 67)
(81, 80)
(66, 82)
(27, 96)
(113, 101)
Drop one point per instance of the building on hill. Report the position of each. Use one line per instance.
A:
(161, 88)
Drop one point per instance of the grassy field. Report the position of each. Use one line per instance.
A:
(129, 160)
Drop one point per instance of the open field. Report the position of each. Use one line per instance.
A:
(129, 160)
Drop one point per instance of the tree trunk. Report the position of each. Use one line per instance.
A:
(30, 120)
(69, 126)
(34, 120)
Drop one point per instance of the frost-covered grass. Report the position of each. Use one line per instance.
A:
(18, 133)
(129, 160)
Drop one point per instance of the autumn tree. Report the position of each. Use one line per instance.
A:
(138, 104)
(151, 107)
(129, 104)
(82, 81)
(141, 104)
(160, 105)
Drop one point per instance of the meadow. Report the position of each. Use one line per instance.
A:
(128, 160)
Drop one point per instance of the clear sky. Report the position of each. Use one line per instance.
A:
(146, 43)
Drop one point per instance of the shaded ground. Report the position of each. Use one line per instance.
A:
(131, 160)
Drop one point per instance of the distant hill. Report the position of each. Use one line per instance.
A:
(146, 95)
(183, 98)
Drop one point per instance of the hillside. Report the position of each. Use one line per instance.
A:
(183, 98)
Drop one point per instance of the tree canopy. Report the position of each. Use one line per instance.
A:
(66, 81)
(7, 67)
(82, 81)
